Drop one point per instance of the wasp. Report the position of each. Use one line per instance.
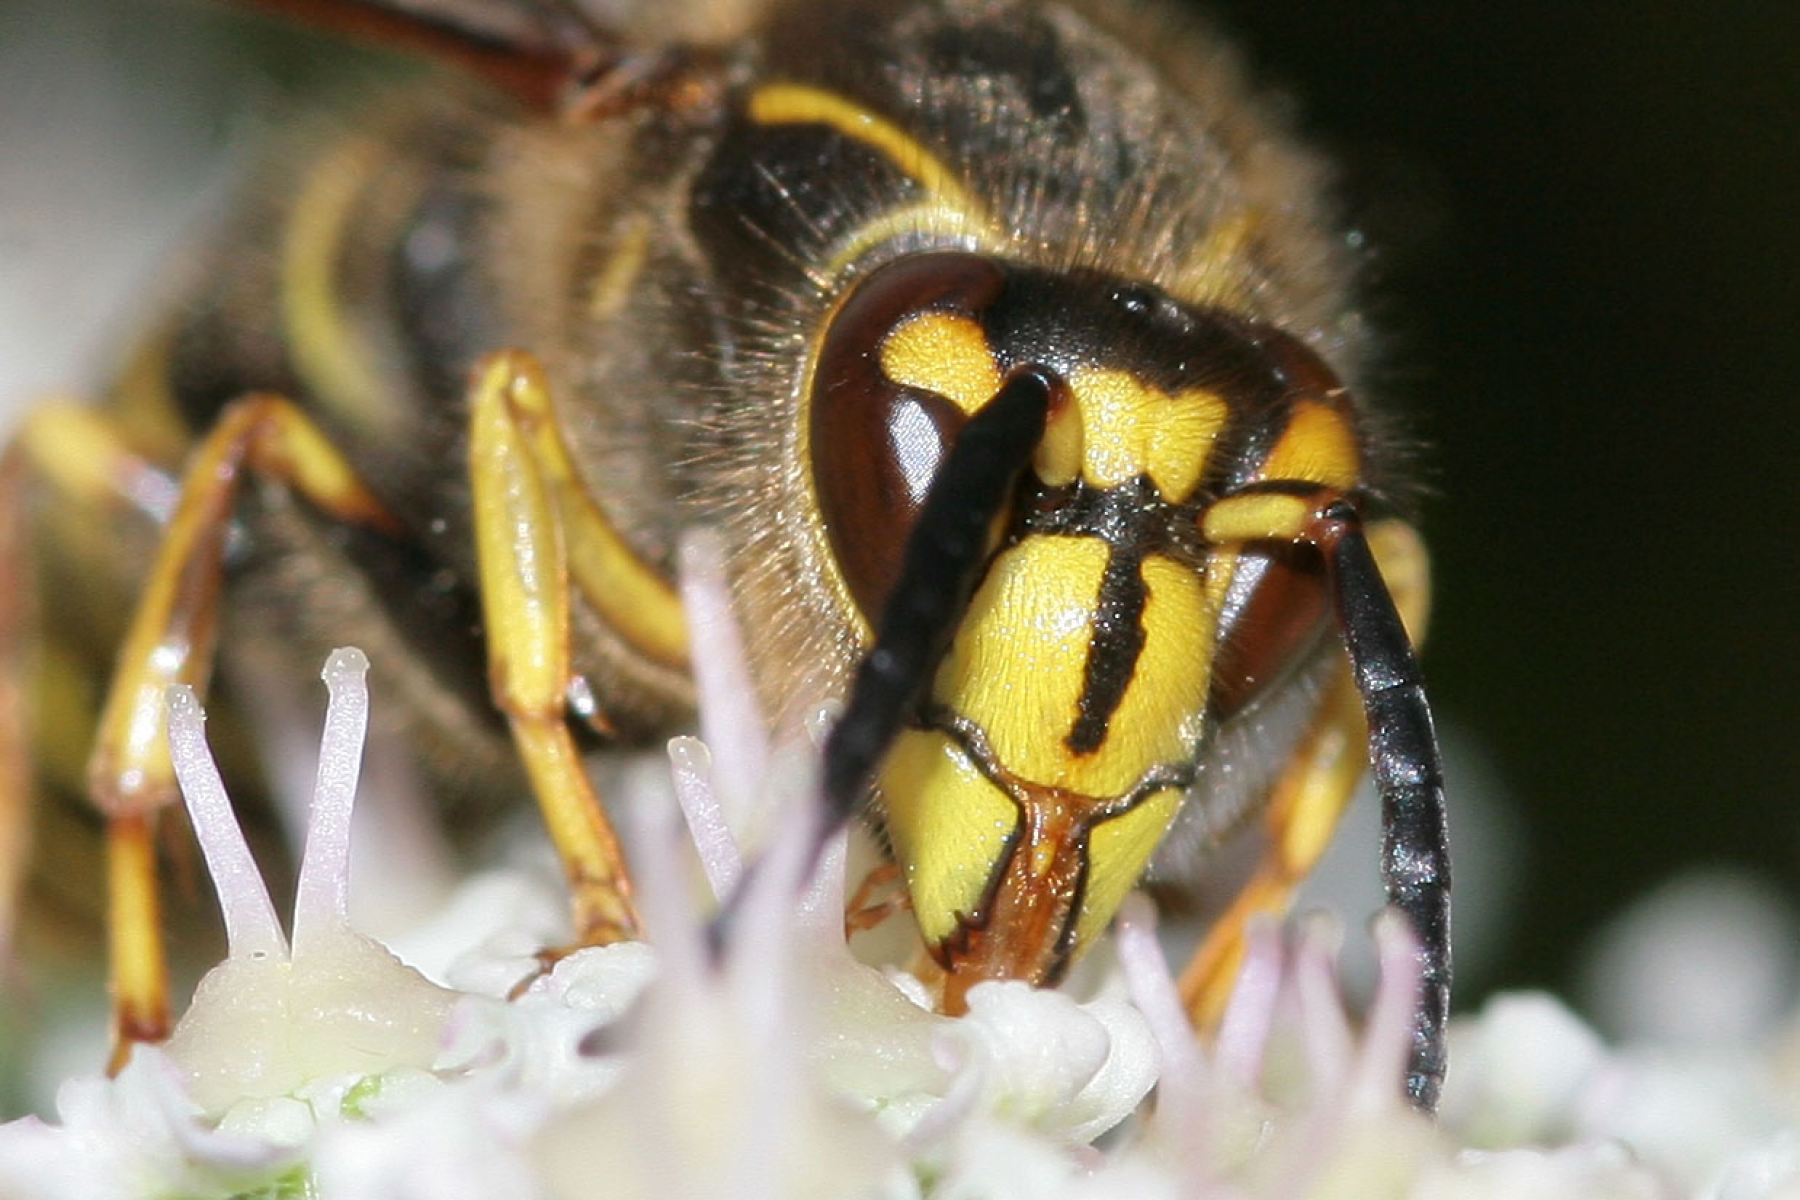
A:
(1010, 345)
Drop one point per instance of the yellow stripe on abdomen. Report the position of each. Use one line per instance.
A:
(798, 104)
(322, 340)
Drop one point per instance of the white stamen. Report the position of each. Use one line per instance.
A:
(251, 928)
(691, 765)
(762, 983)
(263, 1026)
(1328, 1039)
(665, 900)
(819, 915)
(730, 723)
(1387, 1035)
(1180, 1107)
(321, 901)
(1244, 1030)
(766, 907)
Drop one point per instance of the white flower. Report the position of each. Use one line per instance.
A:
(1538, 1058)
(140, 1134)
(784, 1068)
(269, 1022)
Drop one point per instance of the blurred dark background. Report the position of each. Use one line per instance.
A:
(1584, 225)
(1583, 246)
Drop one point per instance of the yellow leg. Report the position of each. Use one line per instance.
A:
(139, 963)
(171, 639)
(85, 460)
(534, 525)
(1309, 796)
(72, 456)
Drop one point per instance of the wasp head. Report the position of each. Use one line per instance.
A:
(1107, 636)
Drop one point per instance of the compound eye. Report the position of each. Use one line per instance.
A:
(903, 364)
(1276, 615)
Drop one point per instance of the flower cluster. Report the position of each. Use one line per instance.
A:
(321, 1065)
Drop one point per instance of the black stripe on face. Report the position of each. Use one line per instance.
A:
(1113, 651)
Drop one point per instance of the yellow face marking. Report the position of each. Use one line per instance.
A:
(1182, 441)
(1016, 664)
(797, 104)
(1118, 429)
(1118, 851)
(949, 825)
(1059, 456)
(1017, 670)
(1255, 518)
(1116, 424)
(1316, 447)
(1157, 720)
(1017, 667)
(1130, 429)
(943, 353)
(324, 345)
